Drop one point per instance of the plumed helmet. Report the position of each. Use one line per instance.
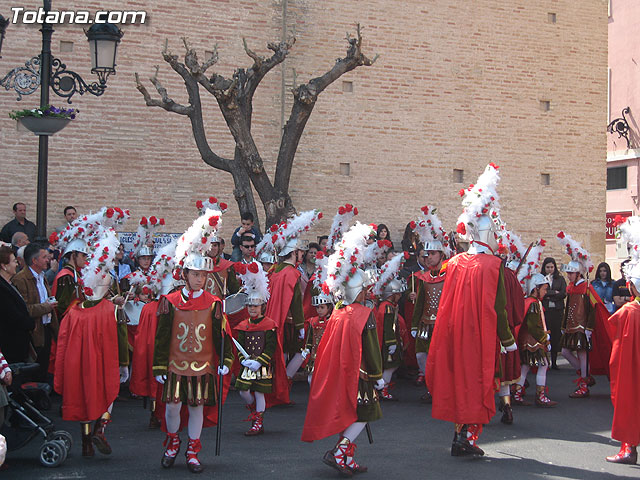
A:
(354, 286)
(76, 245)
(321, 299)
(195, 261)
(396, 285)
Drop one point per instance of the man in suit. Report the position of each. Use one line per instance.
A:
(34, 288)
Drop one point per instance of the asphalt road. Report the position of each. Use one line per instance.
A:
(569, 441)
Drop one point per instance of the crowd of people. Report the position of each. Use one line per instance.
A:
(186, 323)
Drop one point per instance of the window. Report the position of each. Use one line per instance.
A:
(616, 178)
(545, 179)
(66, 47)
(551, 17)
(345, 169)
(347, 86)
(545, 105)
(458, 175)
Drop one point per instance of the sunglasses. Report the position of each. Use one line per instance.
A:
(248, 246)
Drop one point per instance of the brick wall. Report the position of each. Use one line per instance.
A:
(457, 85)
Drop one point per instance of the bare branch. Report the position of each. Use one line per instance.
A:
(257, 60)
(166, 102)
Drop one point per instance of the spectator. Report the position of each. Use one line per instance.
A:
(20, 257)
(226, 256)
(51, 273)
(34, 288)
(322, 241)
(620, 293)
(553, 303)
(18, 224)
(248, 248)
(603, 285)
(15, 321)
(246, 228)
(382, 233)
(411, 245)
(120, 269)
(19, 239)
(308, 266)
(70, 214)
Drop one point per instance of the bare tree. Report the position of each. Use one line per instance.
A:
(235, 99)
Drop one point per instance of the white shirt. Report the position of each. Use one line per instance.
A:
(186, 291)
(42, 291)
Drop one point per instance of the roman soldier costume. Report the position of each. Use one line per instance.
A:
(533, 337)
(430, 283)
(188, 345)
(389, 288)
(91, 356)
(315, 327)
(263, 373)
(285, 303)
(462, 376)
(584, 323)
(348, 365)
(161, 282)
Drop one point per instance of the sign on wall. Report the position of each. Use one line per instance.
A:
(160, 240)
(611, 230)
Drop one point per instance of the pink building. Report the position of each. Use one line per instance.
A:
(623, 141)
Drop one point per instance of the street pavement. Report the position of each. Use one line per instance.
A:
(566, 442)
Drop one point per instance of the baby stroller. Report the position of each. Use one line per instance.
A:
(24, 422)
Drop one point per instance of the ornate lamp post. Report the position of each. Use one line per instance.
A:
(45, 71)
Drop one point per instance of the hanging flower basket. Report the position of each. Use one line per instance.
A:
(44, 120)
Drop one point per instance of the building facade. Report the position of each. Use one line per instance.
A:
(457, 85)
(623, 140)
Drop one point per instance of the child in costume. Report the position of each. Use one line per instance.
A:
(316, 326)
(188, 343)
(258, 336)
(389, 288)
(348, 365)
(534, 338)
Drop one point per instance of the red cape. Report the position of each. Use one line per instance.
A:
(203, 302)
(625, 373)
(334, 386)
(282, 284)
(510, 361)
(62, 273)
(143, 382)
(86, 372)
(462, 359)
(601, 338)
(222, 264)
(280, 387)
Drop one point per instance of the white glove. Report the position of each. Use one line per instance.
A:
(305, 353)
(252, 365)
(161, 379)
(588, 334)
(511, 348)
(124, 374)
(223, 370)
(414, 333)
(549, 347)
(301, 334)
(392, 349)
(548, 337)
(379, 384)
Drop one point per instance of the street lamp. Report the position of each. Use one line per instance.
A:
(3, 28)
(46, 71)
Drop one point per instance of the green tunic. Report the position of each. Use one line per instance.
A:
(533, 343)
(391, 336)
(368, 408)
(246, 380)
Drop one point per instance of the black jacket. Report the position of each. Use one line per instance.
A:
(15, 324)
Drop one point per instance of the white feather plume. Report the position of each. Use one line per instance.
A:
(388, 272)
(575, 251)
(101, 259)
(429, 228)
(340, 224)
(482, 199)
(348, 254)
(255, 283)
(531, 264)
(192, 241)
(276, 238)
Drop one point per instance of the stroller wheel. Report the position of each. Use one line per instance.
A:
(53, 453)
(64, 437)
